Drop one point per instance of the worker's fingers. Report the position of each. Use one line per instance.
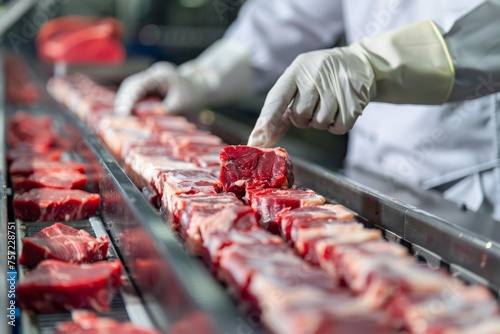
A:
(274, 120)
(180, 95)
(130, 91)
(133, 88)
(325, 112)
(304, 103)
(343, 124)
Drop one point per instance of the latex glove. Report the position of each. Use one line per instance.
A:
(204, 81)
(328, 89)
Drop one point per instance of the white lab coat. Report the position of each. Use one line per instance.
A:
(409, 143)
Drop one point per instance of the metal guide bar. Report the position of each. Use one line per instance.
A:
(125, 301)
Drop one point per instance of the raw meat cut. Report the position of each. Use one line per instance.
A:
(309, 311)
(268, 202)
(148, 168)
(29, 130)
(45, 204)
(55, 179)
(454, 308)
(187, 181)
(27, 166)
(135, 143)
(64, 243)
(197, 221)
(184, 180)
(115, 139)
(192, 322)
(59, 286)
(314, 243)
(95, 42)
(18, 86)
(380, 278)
(289, 218)
(90, 323)
(240, 264)
(168, 123)
(215, 241)
(378, 248)
(149, 106)
(175, 205)
(487, 326)
(52, 154)
(206, 160)
(251, 167)
(76, 23)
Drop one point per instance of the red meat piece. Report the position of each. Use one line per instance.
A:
(27, 166)
(192, 322)
(289, 218)
(59, 286)
(149, 106)
(45, 204)
(306, 310)
(451, 310)
(174, 206)
(313, 242)
(115, 139)
(189, 144)
(187, 181)
(146, 169)
(245, 167)
(215, 241)
(19, 89)
(134, 143)
(138, 156)
(206, 160)
(56, 179)
(64, 243)
(197, 221)
(52, 154)
(380, 278)
(240, 265)
(378, 248)
(90, 323)
(76, 23)
(95, 42)
(169, 123)
(268, 202)
(29, 130)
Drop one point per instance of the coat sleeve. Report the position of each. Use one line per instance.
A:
(275, 32)
(474, 43)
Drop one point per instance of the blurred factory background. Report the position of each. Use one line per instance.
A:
(175, 31)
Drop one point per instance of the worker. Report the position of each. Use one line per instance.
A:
(415, 85)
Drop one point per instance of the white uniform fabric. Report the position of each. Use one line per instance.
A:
(409, 143)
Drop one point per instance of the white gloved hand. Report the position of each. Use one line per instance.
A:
(328, 89)
(220, 75)
(161, 77)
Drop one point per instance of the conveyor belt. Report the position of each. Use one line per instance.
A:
(126, 299)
